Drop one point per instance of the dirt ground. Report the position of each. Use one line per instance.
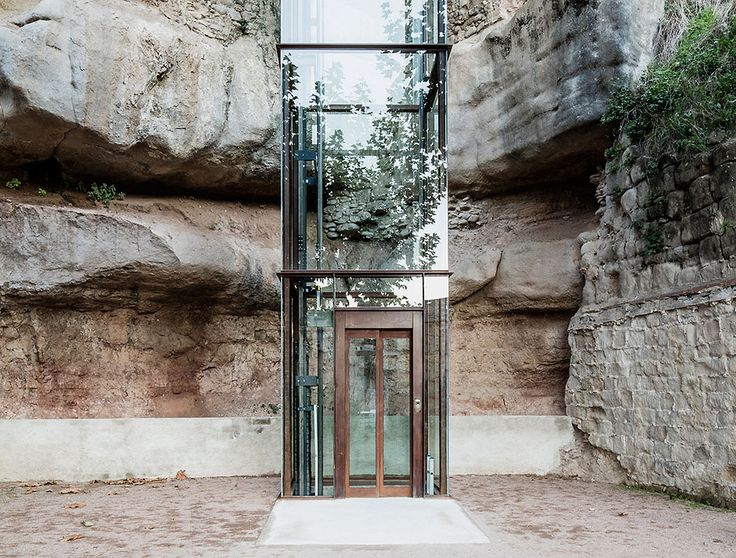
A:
(522, 516)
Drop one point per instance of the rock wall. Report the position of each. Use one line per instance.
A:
(515, 287)
(155, 307)
(168, 306)
(653, 347)
(527, 96)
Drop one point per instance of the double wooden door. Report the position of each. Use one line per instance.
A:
(378, 403)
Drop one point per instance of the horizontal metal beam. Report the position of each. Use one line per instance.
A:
(359, 108)
(377, 273)
(384, 47)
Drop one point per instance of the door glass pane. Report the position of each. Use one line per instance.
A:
(397, 410)
(362, 411)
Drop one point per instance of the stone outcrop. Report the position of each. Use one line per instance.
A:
(155, 307)
(526, 96)
(181, 95)
(515, 287)
(653, 351)
(93, 255)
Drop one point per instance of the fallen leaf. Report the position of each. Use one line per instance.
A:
(70, 538)
(30, 490)
(31, 485)
(49, 483)
(75, 506)
(71, 490)
(623, 514)
(149, 527)
(181, 475)
(113, 493)
(88, 523)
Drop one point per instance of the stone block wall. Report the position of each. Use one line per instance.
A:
(653, 365)
(663, 227)
(655, 383)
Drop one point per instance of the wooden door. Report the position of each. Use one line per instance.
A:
(378, 403)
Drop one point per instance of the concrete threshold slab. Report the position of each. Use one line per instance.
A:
(370, 522)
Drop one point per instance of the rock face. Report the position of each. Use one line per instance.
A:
(62, 252)
(152, 308)
(181, 94)
(526, 96)
(516, 286)
(653, 351)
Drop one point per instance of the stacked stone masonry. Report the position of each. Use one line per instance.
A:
(664, 226)
(657, 387)
(653, 367)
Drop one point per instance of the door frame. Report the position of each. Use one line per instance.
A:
(378, 319)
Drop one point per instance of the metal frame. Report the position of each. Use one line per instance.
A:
(291, 201)
(378, 321)
(382, 47)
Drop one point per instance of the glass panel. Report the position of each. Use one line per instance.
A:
(362, 411)
(314, 392)
(369, 170)
(358, 21)
(397, 410)
(435, 373)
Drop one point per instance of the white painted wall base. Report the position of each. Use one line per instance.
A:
(86, 449)
(507, 445)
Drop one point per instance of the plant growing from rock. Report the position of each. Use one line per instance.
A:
(104, 193)
(687, 93)
(42, 192)
(13, 184)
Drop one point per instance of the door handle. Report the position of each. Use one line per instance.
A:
(417, 405)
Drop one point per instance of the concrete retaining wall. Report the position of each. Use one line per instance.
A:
(86, 449)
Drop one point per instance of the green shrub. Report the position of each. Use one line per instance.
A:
(680, 101)
(41, 192)
(104, 193)
(13, 184)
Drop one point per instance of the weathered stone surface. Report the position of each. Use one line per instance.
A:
(473, 273)
(155, 307)
(509, 364)
(653, 384)
(468, 17)
(508, 352)
(88, 257)
(653, 351)
(182, 360)
(538, 275)
(664, 234)
(176, 94)
(526, 97)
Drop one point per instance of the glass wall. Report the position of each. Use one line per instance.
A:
(364, 217)
(361, 21)
(368, 170)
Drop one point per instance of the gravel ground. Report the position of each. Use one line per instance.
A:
(522, 516)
